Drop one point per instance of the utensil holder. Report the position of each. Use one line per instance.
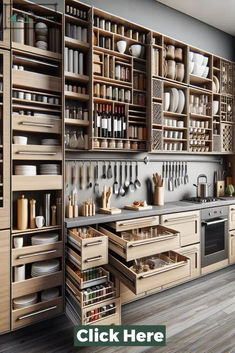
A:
(158, 199)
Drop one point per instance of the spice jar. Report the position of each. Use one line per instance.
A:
(73, 143)
(104, 144)
(97, 90)
(127, 145)
(115, 93)
(119, 144)
(127, 96)
(103, 91)
(117, 72)
(134, 146)
(112, 144)
(121, 95)
(96, 143)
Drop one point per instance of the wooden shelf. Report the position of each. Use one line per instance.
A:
(116, 53)
(35, 108)
(29, 79)
(118, 36)
(198, 80)
(76, 96)
(174, 128)
(109, 101)
(16, 232)
(26, 102)
(76, 122)
(106, 80)
(76, 44)
(32, 15)
(76, 20)
(168, 113)
(36, 51)
(37, 182)
(76, 77)
(200, 116)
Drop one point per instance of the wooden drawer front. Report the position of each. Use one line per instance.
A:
(187, 224)
(134, 223)
(131, 250)
(36, 312)
(93, 251)
(33, 124)
(231, 256)
(29, 79)
(193, 252)
(80, 282)
(5, 280)
(36, 284)
(34, 152)
(29, 254)
(232, 217)
(145, 281)
(37, 182)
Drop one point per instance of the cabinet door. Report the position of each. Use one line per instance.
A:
(231, 256)
(232, 217)
(186, 223)
(5, 140)
(5, 12)
(5, 281)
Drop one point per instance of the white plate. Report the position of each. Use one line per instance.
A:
(45, 265)
(174, 100)
(24, 301)
(46, 238)
(181, 101)
(216, 81)
(50, 294)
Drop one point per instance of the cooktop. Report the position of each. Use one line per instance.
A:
(202, 199)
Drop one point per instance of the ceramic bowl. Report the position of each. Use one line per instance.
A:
(191, 66)
(205, 72)
(20, 140)
(198, 58)
(198, 69)
(190, 55)
(205, 60)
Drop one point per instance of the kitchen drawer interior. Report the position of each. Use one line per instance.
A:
(144, 241)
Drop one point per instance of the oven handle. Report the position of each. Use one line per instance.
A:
(221, 220)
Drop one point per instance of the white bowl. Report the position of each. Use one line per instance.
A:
(20, 140)
(205, 72)
(191, 66)
(205, 60)
(198, 58)
(198, 69)
(190, 55)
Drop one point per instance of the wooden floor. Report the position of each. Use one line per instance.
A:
(199, 318)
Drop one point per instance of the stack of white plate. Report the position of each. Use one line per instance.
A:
(46, 238)
(50, 142)
(25, 170)
(24, 301)
(43, 268)
(50, 294)
(49, 169)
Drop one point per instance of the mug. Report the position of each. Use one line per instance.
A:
(179, 72)
(170, 52)
(171, 67)
(121, 46)
(18, 242)
(135, 50)
(179, 54)
(40, 221)
(19, 272)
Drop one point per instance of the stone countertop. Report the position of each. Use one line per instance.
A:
(170, 207)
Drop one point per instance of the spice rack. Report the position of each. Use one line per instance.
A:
(77, 86)
(37, 155)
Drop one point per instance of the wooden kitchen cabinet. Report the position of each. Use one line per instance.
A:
(231, 217)
(5, 281)
(231, 251)
(186, 223)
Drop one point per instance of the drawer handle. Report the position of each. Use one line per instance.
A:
(27, 123)
(221, 220)
(232, 235)
(180, 218)
(137, 223)
(37, 312)
(161, 271)
(151, 241)
(37, 152)
(98, 242)
(94, 258)
(36, 254)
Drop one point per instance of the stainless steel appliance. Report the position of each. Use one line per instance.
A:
(202, 187)
(202, 199)
(214, 235)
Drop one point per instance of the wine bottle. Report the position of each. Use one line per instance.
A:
(98, 120)
(104, 122)
(119, 123)
(109, 122)
(123, 123)
(115, 122)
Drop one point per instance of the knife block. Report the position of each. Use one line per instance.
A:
(220, 188)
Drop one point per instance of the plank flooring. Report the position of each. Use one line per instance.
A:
(199, 318)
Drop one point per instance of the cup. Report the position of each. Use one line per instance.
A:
(170, 52)
(18, 242)
(179, 72)
(180, 123)
(175, 134)
(40, 221)
(135, 50)
(170, 134)
(171, 69)
(21, 95)
(121, 46)
(19, 273)
(27, 96)
(174, 123)
(166, 100)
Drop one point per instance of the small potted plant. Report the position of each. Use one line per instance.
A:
(230, 190)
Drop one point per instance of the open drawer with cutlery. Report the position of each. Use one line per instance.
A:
(150, 272)
(87, 248)
(139, 242)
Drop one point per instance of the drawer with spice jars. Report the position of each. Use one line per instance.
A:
(142, 253)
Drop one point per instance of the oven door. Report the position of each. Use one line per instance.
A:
(214, 241)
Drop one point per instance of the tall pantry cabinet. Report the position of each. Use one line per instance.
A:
(4, 167)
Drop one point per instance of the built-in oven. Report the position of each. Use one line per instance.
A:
(214, 235)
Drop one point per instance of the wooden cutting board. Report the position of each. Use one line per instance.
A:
(138, 208)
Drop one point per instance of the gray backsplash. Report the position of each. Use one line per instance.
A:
(196, 165)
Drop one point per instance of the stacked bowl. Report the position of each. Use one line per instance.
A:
(198, 64)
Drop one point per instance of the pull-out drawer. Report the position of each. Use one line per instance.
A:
(232, 217)
(28, 254)
(27, 123)
(169, 266)
(36, 312)
(187, 223)
(106, 313)
(87, 278)
(136, 223)
(133, 246)
(36, 152)
(89, 252)
(231, 255)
